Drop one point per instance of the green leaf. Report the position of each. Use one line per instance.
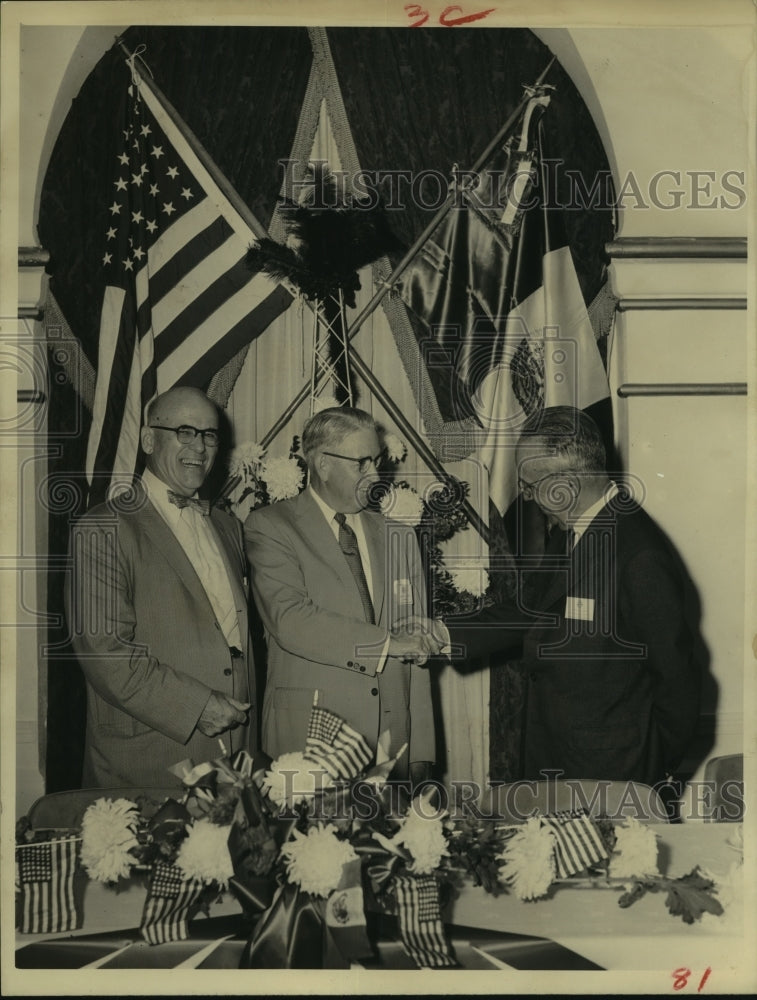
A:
(691, 896)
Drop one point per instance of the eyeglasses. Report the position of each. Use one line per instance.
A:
(364, 463)
(529, 489)
(186, 434)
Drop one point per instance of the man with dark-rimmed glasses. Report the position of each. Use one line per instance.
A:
(331, 579)
(157, 611)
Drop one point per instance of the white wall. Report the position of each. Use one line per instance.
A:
(663, 99)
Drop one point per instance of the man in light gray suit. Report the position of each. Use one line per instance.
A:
(157, 610)
(330, 580)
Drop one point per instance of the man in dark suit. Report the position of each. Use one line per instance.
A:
(605, 638)
(157, 609)
(330, 580)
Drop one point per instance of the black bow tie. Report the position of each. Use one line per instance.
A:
(180, 501)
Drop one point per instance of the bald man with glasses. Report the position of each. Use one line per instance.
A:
(157, 606)
(330, 580)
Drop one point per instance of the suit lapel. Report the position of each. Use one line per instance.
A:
(323, 540)
(160, 535)
(573, 573)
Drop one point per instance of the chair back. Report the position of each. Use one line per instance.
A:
(614, 799)
(725, 775)
(64, 810)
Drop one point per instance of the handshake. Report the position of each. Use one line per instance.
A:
(414, 639)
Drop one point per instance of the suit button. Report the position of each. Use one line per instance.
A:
(374, 691)
(362, 668)
(227, 671)
(350, 663)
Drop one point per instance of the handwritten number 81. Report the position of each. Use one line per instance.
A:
(681, 978)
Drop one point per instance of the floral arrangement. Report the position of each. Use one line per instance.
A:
(261, 478)
(321, 839)
(324, 831)
(437, 516)
(629, 864)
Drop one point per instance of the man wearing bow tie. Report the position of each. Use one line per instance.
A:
(331, 579)
(157, 610)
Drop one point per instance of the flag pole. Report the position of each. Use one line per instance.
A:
(258, 230)
(387, 285)
(406, 428)
(445, 208)
(224, 185)
(366, 374)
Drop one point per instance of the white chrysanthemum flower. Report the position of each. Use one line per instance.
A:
(423, 836)
(402, 503)
(108, 834)
(245, 457)
(396, 449)
(729, 889)
(204, 854)
(529, 860)
(282, 476)
(635, 851)
(471, 579)
(315, 860)
(293, 778)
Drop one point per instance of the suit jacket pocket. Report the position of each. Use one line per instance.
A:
(111, 721)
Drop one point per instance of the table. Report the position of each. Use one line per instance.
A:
(586, 921)
(643, 936)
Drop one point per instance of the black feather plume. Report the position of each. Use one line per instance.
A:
(330, 236)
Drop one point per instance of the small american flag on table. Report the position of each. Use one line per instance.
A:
(335, 746)
(47, 902)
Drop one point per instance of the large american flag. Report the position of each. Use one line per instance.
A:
(179, 300)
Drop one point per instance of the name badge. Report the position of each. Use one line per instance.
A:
(580, 608)
(403, 591)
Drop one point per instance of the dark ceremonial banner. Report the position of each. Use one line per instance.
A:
(224, 939)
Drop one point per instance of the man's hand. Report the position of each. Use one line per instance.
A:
(222, 713)
(432, 633)
(407, 647)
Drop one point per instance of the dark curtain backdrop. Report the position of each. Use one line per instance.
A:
(424, 100)
(415, 100)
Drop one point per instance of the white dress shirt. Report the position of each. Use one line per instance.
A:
(197, 538)
(582, 522)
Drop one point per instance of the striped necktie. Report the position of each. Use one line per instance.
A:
(348, 545)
